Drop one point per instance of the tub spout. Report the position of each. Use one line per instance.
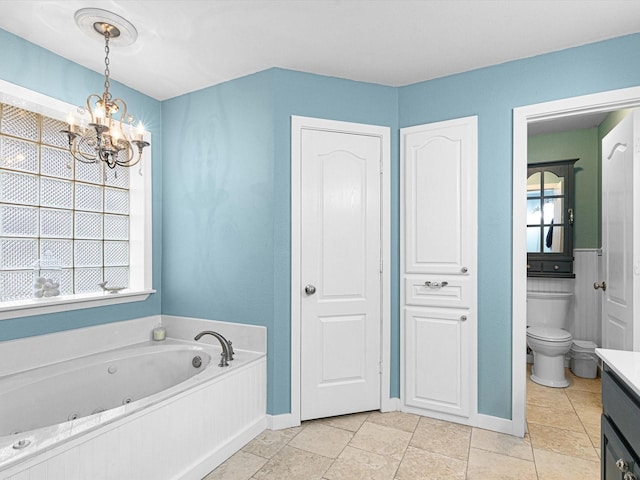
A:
(227, 351)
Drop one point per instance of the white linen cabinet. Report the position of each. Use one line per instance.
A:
(438, 269)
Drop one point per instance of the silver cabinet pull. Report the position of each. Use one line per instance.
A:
(309, 289)
(436, 284)
(630, 476)
(463, 318)
(602, 285)
(622, 465)
(464, 269)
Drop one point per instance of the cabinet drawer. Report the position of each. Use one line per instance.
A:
(558, 267)
(621, 406)
(437, 291)
(534, 266)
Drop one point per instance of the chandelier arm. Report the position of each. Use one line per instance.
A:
(129, 163)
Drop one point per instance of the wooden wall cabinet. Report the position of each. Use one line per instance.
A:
(550, 217)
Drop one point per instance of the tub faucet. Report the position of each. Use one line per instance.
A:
(227, 350)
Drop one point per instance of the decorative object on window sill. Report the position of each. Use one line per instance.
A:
(104, 287)
(47, 272)
(104, 138)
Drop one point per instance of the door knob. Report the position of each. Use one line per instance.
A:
(309, 289)
(602, 285)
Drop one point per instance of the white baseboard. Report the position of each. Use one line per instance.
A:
(282, 421)
(390, 405)
(496, 424)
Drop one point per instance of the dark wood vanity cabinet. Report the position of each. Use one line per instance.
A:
(620, 429)
(550, 216)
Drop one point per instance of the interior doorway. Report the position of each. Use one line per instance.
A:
(522, 118)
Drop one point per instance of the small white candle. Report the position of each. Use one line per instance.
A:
(99, 114)
(72, 123)
(140, 131)
(159, 334)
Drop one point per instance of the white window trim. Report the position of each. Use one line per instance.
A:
(140, 229)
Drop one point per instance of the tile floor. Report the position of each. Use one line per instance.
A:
(563, 442)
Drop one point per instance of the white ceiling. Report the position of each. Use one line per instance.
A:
(187, 45)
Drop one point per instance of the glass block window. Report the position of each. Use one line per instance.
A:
(49, 202)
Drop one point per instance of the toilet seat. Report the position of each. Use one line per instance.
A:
(548, 334)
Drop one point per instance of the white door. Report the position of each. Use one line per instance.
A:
(439, 244)
(340, 272)
(619, 212)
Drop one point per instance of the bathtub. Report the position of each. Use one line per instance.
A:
(158, 410)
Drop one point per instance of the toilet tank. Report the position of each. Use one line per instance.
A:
(549, 309)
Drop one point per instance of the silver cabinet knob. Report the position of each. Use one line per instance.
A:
(463, 318)
(603, 286)
(309, 289)
(622, 465)
(464, 269)
(630, 476)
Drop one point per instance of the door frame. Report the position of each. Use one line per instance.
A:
(522, 116)
(299, 123)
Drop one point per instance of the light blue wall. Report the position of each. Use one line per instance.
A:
(492, 93)
(35, 68)
(227, 198)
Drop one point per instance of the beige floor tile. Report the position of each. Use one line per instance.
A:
(381, 440)
(594, 434)
(566, 442)
(418, 464)
(555, 466)
(269, 442)
(584, 399)
(356, 464)
(441, 437)
(503, 444)
(554, 417)
(241, 466)
(398, 420)
(547, 397)
(585, 384)
(347, 422)
(322, 439)
(484, 465)
(589, 415)
(294, 464)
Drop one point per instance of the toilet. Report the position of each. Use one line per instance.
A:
(547, 314)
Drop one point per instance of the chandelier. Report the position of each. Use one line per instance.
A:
(110, 135)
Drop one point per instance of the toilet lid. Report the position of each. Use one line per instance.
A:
(550, 334)
(583, 346)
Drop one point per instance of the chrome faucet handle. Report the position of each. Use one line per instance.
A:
(223, 360)
(231, 352)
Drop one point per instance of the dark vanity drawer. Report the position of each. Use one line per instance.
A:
(622, 406)
(559, 267)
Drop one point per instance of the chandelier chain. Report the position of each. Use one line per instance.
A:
(106, 68)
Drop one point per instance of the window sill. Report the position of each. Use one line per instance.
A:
(26, 308)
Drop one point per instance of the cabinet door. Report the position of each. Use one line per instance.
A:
(437, 359)
(440, 197)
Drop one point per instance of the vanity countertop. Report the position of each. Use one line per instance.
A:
(625, 364)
